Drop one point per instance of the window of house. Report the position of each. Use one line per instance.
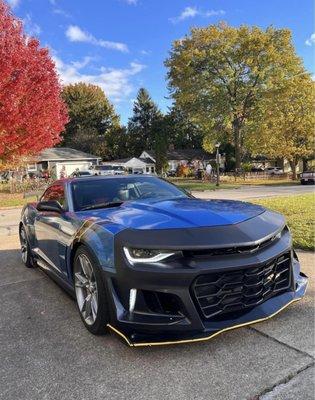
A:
(147, 169)
(152, 170)
(32, 167)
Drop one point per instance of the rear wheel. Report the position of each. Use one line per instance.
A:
(90, 291)
(25, 249)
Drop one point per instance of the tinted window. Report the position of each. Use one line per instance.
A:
(55, 192)
(97, 191)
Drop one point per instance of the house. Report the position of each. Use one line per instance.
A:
(197, 158)
(61, 161)
(134, 165)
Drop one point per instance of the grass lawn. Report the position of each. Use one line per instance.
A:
(10, 200)
(193, 184)
(267, 182)
(299, 211)
(198, 185)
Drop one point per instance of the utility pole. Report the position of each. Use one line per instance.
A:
(218, 163)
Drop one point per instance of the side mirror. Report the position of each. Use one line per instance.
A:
(51, 205)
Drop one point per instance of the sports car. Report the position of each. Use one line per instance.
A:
(150, 262)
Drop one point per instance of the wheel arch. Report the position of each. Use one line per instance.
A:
(74, 248)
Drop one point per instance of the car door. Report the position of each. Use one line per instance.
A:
(48, 230)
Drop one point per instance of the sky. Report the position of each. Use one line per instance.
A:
(121, 45)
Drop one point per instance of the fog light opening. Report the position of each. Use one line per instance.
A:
(132, 299)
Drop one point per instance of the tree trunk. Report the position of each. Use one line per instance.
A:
(293, 164)
(237, 143)
(305, 164)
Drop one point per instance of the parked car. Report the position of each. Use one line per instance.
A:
(307, 177)
(257, 169)
(118, 170)
(156, 265)
(107, 170)
(79, 174)
(274, 170)
(102, 170)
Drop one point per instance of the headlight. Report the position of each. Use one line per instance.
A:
(146, 255)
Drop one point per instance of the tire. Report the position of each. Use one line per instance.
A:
(90, 291)
(26, 255)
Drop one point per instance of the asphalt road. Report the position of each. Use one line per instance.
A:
(46, 353)
(246, 192)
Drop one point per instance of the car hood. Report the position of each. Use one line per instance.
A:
(175, 213)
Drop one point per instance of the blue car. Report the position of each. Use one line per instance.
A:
(155, 265)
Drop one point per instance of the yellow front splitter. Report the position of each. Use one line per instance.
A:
(203, 339)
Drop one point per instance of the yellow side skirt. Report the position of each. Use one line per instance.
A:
(198, 339)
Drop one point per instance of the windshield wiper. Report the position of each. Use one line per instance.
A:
(102, 205)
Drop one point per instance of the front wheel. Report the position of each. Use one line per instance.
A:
(90, 292)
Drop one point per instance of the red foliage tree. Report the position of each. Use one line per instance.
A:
(32, 113)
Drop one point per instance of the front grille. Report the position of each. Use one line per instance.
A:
(234, 291)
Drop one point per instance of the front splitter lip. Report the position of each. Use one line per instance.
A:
(263, 312)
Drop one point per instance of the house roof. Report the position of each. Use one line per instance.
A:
(147, 160)
(118, 161)
(64, 153)
(125, 160)
(184, 154)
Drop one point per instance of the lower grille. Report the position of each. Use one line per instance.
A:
(220, 293)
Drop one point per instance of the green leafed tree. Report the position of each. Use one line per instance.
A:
(91, 115)
(141, 124)
(181, 132)
(285, 122)
(219, 75)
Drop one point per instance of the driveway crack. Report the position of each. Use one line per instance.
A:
(304, 353)
(264, 394)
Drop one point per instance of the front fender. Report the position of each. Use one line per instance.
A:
(99, 239)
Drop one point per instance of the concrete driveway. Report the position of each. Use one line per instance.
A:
(46, 353)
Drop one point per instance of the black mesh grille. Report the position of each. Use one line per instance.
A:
(232, 291)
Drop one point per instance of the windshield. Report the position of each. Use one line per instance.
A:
(114, 190)
(117, 168)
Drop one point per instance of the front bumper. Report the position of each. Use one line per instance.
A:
(185, 322)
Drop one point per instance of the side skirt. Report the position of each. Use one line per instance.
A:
(45, 267)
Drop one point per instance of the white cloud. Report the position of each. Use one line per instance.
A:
(133, 2)
(311, 40)
(145, 52)
(116, 83)
(13, 3)
(62, 12)
(191, 12)
(75, 34)
(31, 28)
(83, 63)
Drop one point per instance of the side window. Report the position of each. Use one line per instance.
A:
(57, 193)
